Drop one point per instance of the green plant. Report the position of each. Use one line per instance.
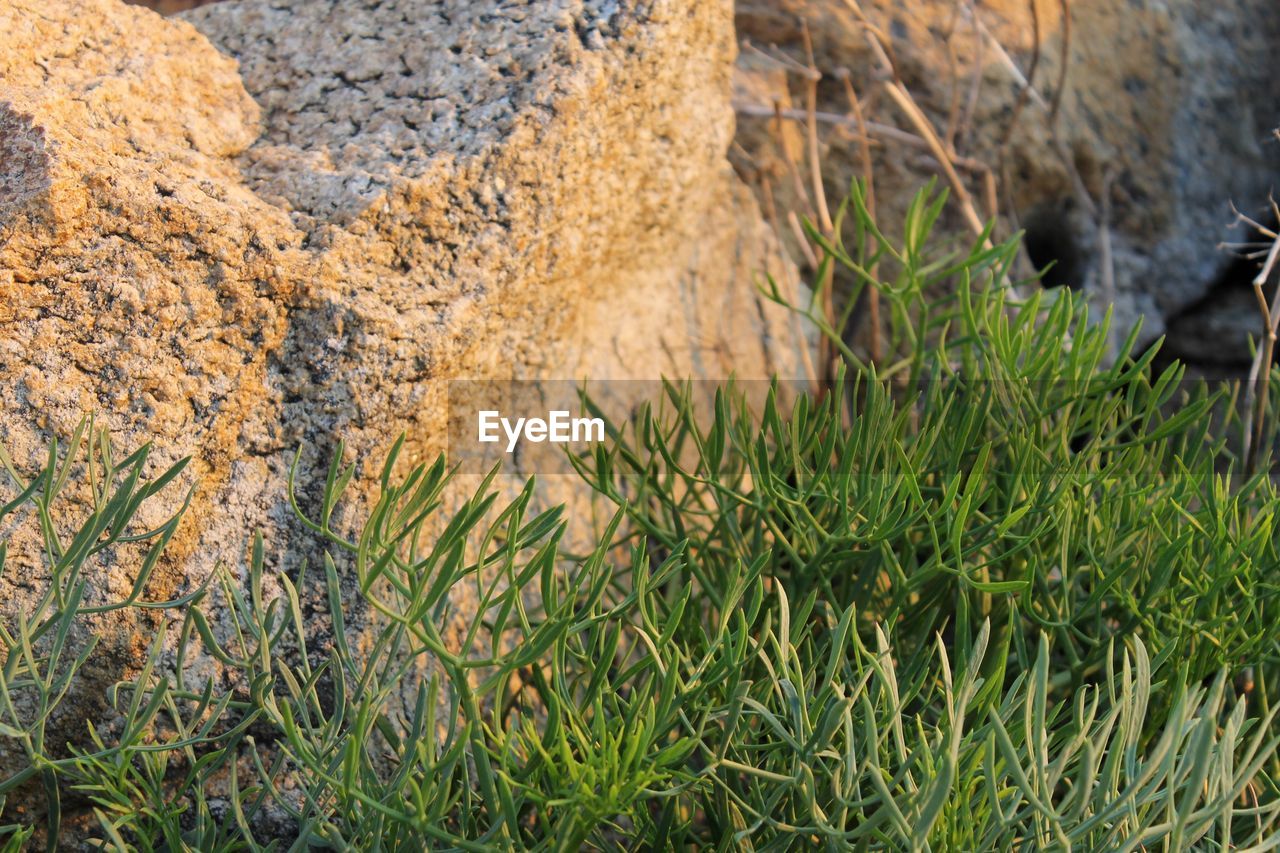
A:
(994, 591)
(41, 657)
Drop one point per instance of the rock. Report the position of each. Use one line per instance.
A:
(143, 281)
(1218, 333)
(1168, 107)
(169, 7)
(446, 166)
(294, 221)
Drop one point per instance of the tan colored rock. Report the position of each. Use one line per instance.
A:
(170, 7)
(478, 182)
(141, 279)
(381, 197)
(1169, 104)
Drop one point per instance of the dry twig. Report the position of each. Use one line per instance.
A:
(1258, 388)
(868, 180)
(828, 353)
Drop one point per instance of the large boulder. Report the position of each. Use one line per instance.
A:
(1167, 113)
(294, 221)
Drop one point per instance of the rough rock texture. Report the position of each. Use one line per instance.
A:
(381, 197)
(1170, 104)
(169, 7)
(141, 279)
(471, 203)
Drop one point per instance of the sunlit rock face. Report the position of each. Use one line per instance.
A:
(169, 7)
(1166, 112)
(277, 223)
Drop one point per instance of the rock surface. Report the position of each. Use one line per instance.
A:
(1168, 110)
(170, 7)
(286, 221)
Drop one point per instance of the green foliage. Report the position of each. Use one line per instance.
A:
(41, 656)
(1004, 589)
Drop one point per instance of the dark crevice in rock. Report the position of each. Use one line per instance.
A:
(1054, 246)
(1213, 332)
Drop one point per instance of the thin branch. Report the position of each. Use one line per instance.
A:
(771, 213)
(886, 132)
(1064, 61)
(975, 86)
(1028, 84)
(1105, 256)
(1258, 388)
(779, 59)
(1059, 144)
(868, 179)
(826, 286)
(917, 118)
(797, 231)
(792, 167)
(898, 92)
(953, 71)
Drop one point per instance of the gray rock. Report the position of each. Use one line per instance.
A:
(1170, 104)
